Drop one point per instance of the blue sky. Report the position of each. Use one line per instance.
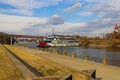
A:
(37, 17)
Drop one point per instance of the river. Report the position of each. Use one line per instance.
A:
(95, 54)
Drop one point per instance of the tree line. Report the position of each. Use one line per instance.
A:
(4, 38)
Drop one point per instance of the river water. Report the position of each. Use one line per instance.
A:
(95, 54)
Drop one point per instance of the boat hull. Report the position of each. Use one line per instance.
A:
(69, 45)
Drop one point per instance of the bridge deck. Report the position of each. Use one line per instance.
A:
(27, 36)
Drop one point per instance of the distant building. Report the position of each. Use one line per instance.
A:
(117, 28)
(115, 34)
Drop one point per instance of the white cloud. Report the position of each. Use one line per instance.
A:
(107, 20)
(115, 4)
(108, 13)
(61, 28)
(84, 13)
(33, 25)
(74, 7)
(26, 7)
(56, 20)
(36, 26)
(30, 4)
(108, 10)
(10, 23)
(20, 4)
(16, 11)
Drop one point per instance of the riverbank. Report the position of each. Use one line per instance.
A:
(95, 53)
(102, 46)
(98, 42)
(8, 70)
(45, 67)
(104, 72)
(101, 43)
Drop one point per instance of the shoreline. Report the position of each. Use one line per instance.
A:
(103, 46)
(79, 64)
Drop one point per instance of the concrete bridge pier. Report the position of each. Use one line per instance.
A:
(17, 40)
(11, 40)
(37, 40)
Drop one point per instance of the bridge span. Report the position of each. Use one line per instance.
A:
(27, 36)
(17, 36)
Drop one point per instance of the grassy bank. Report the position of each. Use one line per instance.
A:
(104, 43)
(98, 42)
(45, 67)
(8, 70)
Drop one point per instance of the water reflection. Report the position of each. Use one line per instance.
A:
(117, 49)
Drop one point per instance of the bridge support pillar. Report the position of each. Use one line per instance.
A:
(11, 40)
(17, 40)
(37, 40)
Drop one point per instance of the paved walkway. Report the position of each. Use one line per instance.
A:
(104, 72)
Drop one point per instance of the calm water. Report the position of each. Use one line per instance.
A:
(95, 54)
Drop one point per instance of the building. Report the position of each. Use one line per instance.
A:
(117, 28)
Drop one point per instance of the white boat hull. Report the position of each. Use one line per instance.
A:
(70, 44)
(61, 41)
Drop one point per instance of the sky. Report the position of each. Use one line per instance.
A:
(73, 17)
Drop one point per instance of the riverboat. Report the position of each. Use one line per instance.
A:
(60, 40)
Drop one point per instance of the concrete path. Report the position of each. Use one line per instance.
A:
(26, 73)
(104, 72)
